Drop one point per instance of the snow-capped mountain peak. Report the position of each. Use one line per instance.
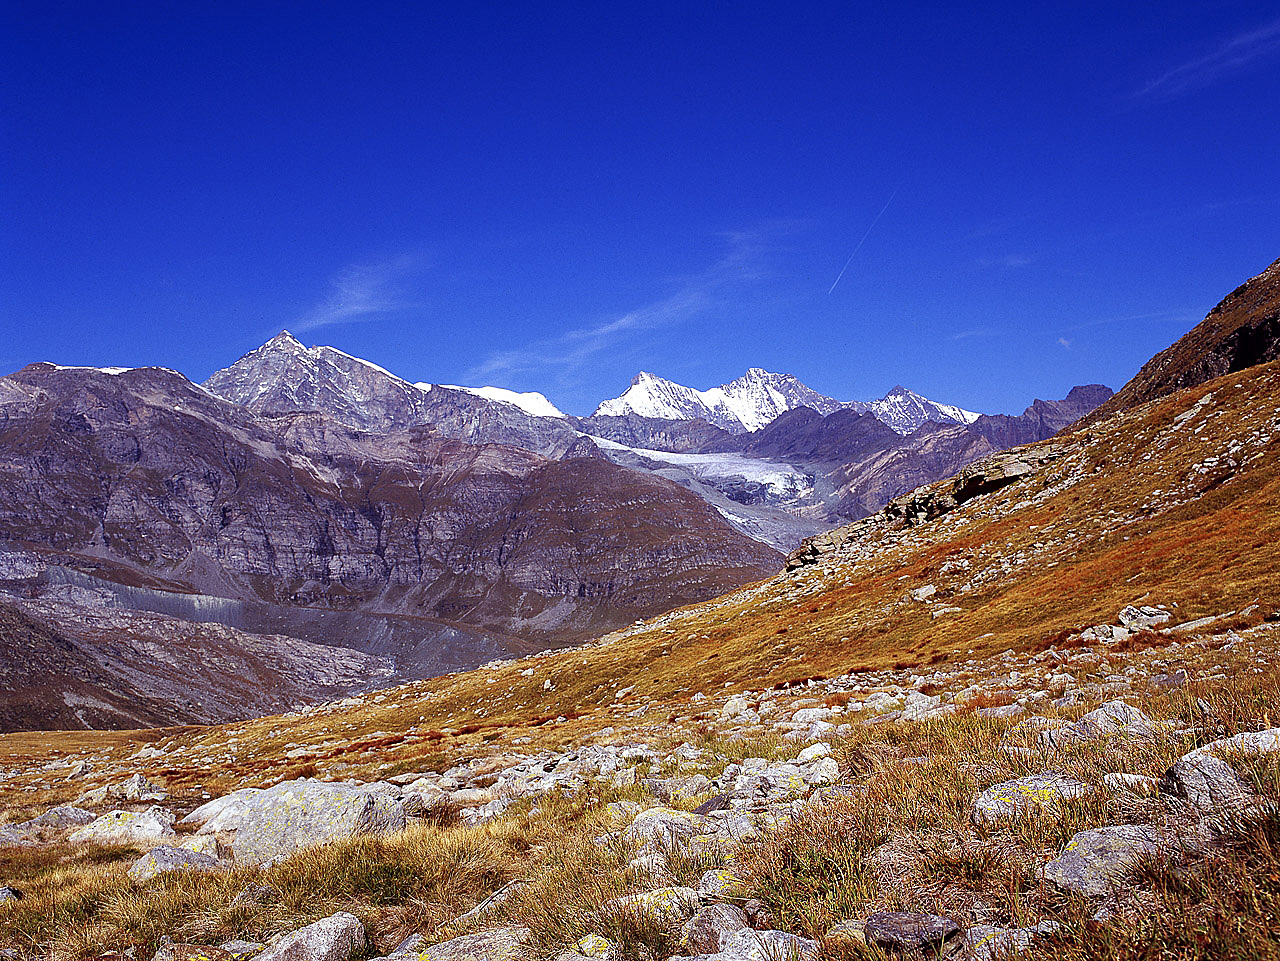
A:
(758, 397)
(904, 410)
(748, 403)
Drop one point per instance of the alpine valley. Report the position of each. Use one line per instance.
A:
(1025, 709)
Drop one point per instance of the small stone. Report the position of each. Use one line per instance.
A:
(913, 934)
(169, 951)
(594, 946)
(10, 894)
(813, 752)
(719, 883)
(1131, 784)
(242, 950)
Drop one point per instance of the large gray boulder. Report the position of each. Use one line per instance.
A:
(265, 826)
(1114, 719)
(1209, 784)
(336, 938)
(127, 827)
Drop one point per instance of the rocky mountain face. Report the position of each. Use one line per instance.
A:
(904, 410)
(283, 377)
(1243, 330)
(146, 477)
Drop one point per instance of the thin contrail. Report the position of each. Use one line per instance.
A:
(864, 238)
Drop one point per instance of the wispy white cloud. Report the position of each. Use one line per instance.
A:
(1159, 316)
(970, 334)
(1063, 342)
(1007, 261)
(740, 265)
(1237, 53)
(361, 292)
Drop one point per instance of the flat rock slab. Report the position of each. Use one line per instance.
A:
(915, 935)
(1025, 796)
(1095, 861)
(269, 825)
(336, 938)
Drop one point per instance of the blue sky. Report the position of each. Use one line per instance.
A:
(554, 196)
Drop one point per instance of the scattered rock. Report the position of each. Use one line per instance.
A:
(718, 883)
(164, 859)
(1025, 796)
(711, 929)
(1113, 719)
(752, 945)
(1131, 784)
(497, 944)
(138, 788)
(915, 935)
(269, 825)
(673, 905)
(986, 942)
(1209, 783)
(171, 951)
(123, 827)
(336, 938)
(1095, 861)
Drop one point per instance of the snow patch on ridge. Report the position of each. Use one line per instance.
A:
(531, 402)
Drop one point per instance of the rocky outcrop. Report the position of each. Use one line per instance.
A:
(927, 503)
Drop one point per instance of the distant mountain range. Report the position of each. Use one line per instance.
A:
(759, 397)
